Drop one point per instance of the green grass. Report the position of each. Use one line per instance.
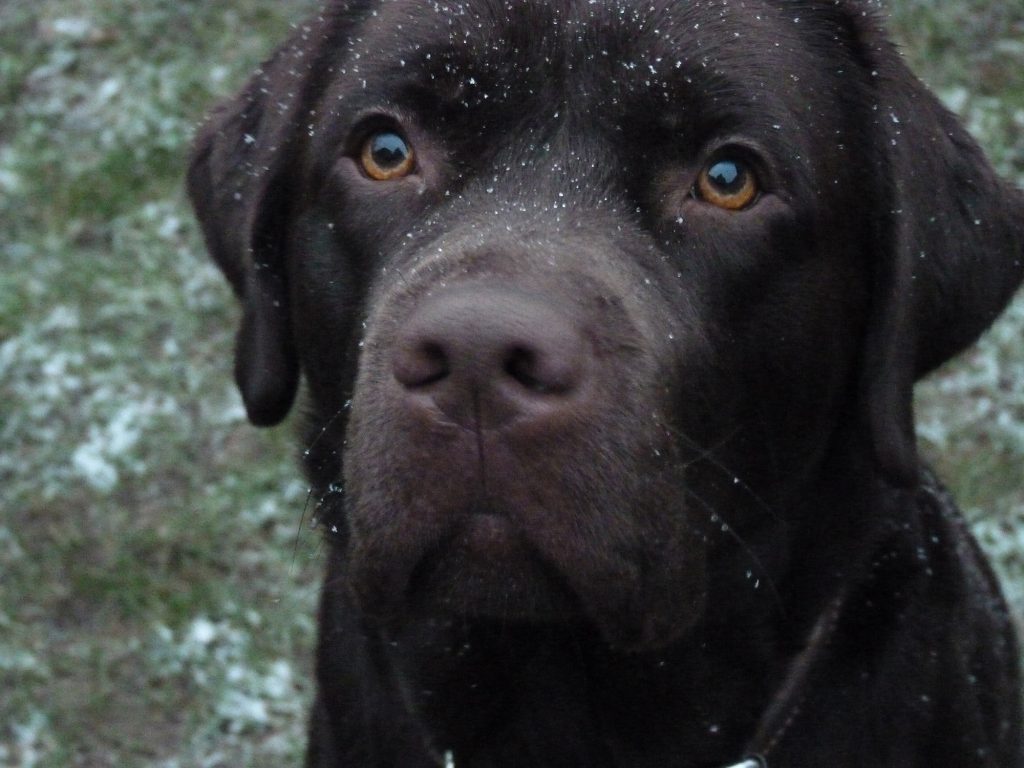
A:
(157, 599)
(157, 594)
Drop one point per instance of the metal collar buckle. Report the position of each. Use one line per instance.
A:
(751, 762)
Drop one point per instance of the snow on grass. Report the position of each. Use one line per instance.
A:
(983, 392)
(215, 655)
(134, 494)
(256, 705)
(31, 740)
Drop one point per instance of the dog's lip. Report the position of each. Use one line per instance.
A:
(488, 534)
(484, 537)
(487, 566)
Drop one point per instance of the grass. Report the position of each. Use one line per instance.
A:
(157, 597)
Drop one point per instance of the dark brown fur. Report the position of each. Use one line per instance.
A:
(667, 456)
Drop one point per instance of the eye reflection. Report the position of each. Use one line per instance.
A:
(724, 175)
(386, 156)
(728, 184)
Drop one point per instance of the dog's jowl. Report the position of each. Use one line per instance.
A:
(607, 316)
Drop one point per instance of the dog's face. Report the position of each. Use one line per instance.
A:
(585, 294)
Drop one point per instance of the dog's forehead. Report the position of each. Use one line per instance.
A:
(476, 24)
(624, 44)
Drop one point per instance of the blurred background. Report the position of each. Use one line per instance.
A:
(157, 590)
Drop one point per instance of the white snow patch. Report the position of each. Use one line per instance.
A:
(89, 463)
(61, 318)
(71, 27)
(27, 745)
(243, 711)
(108, 89)
(202, 632)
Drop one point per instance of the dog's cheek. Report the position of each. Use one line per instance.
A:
(326, 282)
(653, 597)
(784, 312)
(808, 346)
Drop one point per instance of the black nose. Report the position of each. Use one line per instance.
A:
(484, 356)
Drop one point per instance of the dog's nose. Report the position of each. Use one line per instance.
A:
(484, 357)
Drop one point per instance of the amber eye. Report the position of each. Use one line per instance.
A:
(729, 184)
(387, 156)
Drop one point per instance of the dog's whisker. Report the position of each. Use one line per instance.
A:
(327, 425)
(299, 527)
(301, 524)
(309, 493)
(716, 517)
(708, 455)
(332, 490)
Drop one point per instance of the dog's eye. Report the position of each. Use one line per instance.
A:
(729, 184)
(387, 156)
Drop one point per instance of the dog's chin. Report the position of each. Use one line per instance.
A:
(487, 569)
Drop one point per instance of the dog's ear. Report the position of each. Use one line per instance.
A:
(244, 183)
(239, 181)
(948, 247)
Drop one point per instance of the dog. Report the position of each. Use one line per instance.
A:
(607, 316)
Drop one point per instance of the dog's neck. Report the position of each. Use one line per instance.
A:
(559, 695)
(554, 724)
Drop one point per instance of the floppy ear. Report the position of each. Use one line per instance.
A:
(243, 180)
(949, 246)
(238, 181)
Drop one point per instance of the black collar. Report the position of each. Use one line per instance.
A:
(788, 701)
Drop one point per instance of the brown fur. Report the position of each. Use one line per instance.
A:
(594, 456)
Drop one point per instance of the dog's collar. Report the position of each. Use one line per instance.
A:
(754, 762)
(787, 703)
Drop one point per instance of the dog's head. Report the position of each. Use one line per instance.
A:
(576, 286)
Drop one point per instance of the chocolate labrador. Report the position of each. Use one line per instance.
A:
(608, 315)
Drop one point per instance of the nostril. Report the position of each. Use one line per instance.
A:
(521, 365)
(421, 364)
(539, 373)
